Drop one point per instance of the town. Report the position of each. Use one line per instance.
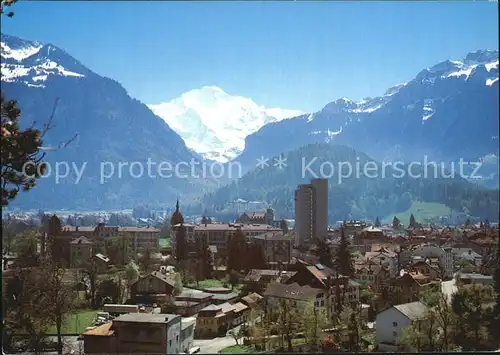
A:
(253, 285)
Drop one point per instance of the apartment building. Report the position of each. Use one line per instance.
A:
(311, 211)
(218, 234)
(275, 245)
(266, 217)
(140, 238)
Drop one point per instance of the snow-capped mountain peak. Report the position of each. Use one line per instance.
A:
(32, 63)
(214, 123)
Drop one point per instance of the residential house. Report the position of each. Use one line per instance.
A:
(474, 258)
(370, 235)
(467, 279)
(148, 333)
(386, 258)
(214, 320)
(80, 252)
(409, 286)
(156, 287)
(257, 279)
(444, 254)
(253, 300)
(266, 217)
(222, 295)
(428, 267)
(187, 333)
(275, 245)
(322, 277)
(136, 333)
(100, 340)
(391, 322)
(295, 294)
(189, 302)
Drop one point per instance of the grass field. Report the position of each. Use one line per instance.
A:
(164, 243)
(421, 211)
(237, 349)
(76, 322)
(212, 283)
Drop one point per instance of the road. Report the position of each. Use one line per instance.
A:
(449, 288)
(213, 346)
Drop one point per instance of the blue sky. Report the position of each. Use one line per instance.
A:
(297, 55)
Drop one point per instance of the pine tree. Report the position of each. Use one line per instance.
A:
(324, 252)
(205, 258)
(284, 226)
(377, 222)
(413, 222)
(22, 162)
(236, 251)
(181, 243)
(396, 224)
(342, 259)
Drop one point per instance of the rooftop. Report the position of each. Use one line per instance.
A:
(413, 310)
(102, 330)
(146, 317)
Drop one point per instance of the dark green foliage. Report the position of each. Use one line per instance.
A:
(284, 226)
(22, 162)
(236, 258)
(324, 252)
(396, 224)
(412, 223)
(377, 222)
(205, 258)
(342, 258)
(180, 246)
(109, 291)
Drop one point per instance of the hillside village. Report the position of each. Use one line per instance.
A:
(254, 285)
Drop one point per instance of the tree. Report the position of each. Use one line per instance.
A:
(236, 251)
(342, 259)
(145, 260)
(177, 284)
(236, 334)
(495, 315)
(7, 3)
(89, 278)
(284, 226)
(396, 224)
(118, 249)
(350, 317)
(58, 296)
(26, 249)
(324, 252)
(412, 223)
(314, 321)
(205, 258)
(131, 274)
(473, 317)
(181, 243)
(234, 278)
(108, 289)
(377, 222)
(24, 312)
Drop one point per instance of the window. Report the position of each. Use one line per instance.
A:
(170, 342)
(394, 324)
(395, 334)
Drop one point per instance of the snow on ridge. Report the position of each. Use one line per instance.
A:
(20, 53)
(490, 82)
(428, 110)
(490, 66)
(40, 72)
(465, 71)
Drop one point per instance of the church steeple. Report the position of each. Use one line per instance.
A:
(177, 216)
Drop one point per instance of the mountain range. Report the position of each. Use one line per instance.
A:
(111, 128)
(448, 111)
(215, 124)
